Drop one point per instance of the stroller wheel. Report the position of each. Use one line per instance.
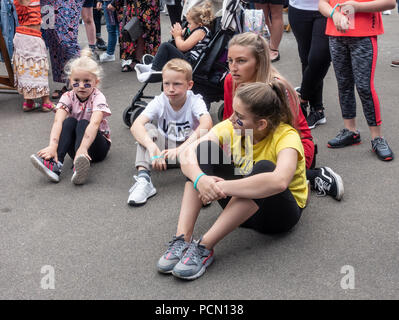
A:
(220, 112)
(131, 113)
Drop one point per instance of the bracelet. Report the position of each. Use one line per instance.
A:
(156, 157)
(332, 12)
(196, 180)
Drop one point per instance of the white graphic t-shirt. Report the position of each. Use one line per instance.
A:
(176, 125)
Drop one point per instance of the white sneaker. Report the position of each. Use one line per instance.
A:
(140, 191)
(105, 57)
(386, 12)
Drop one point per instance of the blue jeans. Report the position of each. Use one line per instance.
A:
(112, 29)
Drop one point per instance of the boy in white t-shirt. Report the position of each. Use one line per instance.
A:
(180, 117)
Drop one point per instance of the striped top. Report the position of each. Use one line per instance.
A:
(196, 51)
(28, 16)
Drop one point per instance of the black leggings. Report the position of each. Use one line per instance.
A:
(166, 52)
(71, 137)
(309, 28)
(276, 214)
(174, 12)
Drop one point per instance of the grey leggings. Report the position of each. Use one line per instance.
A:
(354, 60)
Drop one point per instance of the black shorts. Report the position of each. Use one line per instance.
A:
(89, 3)
(281, 2)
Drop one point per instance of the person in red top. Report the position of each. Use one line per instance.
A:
(249, 61)
(30, 56)
(353, 27)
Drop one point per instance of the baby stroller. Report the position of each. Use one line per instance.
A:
(209, 70)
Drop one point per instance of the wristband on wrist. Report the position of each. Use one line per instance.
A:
(197, 179)
(156, 157)
(333, 10)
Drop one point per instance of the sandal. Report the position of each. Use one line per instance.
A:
(47, 107)
(277, 58)
(26, 107)
(58, 93)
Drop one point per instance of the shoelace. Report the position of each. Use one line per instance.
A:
(321, 186)
(194, 253)
(176, 245)
(341, 133)
(380, 143)
(139, 182)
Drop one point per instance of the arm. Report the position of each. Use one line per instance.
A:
(51, 151)
(371, 6)
(90, 134)
(189, 165)
(341, 22)
(140, 134)
(264, 184)
(190, 42)
(204, 126)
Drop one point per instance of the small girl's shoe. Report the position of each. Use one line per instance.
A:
(28, 106)
(47, 107)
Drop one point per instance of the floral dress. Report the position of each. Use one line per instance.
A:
(148, 13)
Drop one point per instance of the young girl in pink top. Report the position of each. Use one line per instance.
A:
(80, 126)
(353, 27)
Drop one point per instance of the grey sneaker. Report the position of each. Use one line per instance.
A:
(177, 247)
(81, 168)
(105, 57)
(140, 191)
(49, 168)
(194, 262)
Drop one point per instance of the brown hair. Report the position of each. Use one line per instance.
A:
(266, 101)
(265, 72)
(202, 15)
(179, 65)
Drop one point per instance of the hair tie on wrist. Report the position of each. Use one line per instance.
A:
(332, 12)
(196, 180)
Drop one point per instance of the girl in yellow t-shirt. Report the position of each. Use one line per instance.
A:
(253, 163)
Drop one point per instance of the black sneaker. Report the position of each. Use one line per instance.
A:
(381, 149)
(100, 44)
(315, 117)
(49, 168)
(345, 138)
(329, 183)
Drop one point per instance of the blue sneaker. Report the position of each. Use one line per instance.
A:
(194, 262)
(177, 247)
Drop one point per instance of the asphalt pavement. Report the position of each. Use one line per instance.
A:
(94, 246)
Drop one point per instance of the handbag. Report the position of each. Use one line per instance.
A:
(254, 21)
(132, 30)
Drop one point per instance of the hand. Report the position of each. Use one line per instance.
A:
(48, 153)
(171, 153)
(341, 22)
(350, 7)
(99, 6)
(111, 7)
(158, 163)
(176, 30)
(209, 189)
(81, 151)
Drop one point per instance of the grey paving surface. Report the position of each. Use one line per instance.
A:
(101, 248)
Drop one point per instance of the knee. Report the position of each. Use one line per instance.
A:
(263, 166)
(69, 123)
(82, 124)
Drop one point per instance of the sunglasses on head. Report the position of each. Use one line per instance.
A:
(86, 85)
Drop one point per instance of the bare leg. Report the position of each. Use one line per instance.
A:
(189, 211)
(277, 28)
(375, 131)
(87, 16)
(350, 124)
(236, 212)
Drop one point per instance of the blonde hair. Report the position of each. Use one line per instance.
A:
(85, 63)
(179, 65)
(266, 101)
(265, 72)
(202, 15)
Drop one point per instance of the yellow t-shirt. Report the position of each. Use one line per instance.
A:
(244, 157)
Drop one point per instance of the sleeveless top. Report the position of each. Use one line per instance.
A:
(28, 15)
(196, 51)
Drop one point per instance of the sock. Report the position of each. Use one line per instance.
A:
(145, 174)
